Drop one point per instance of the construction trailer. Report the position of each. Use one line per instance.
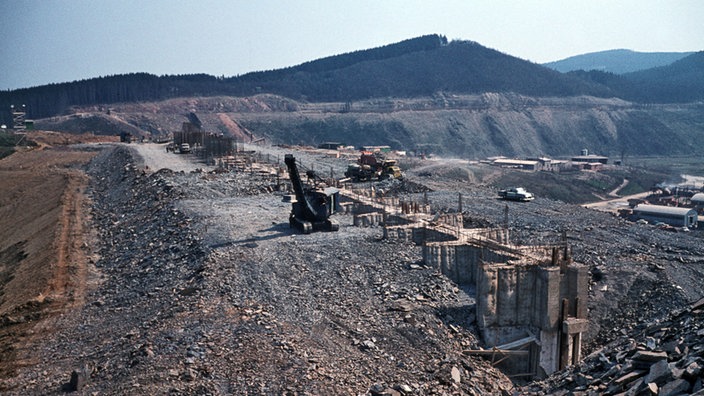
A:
(331, 146)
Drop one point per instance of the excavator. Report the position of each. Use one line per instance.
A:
(311, 206)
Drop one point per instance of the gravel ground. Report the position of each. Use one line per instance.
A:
(204, 289)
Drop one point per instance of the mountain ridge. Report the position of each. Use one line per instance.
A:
(426, 94)
(617, 61)
(415, 67)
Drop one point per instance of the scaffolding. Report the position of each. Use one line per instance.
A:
(18, 117)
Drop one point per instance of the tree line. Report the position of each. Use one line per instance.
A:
(411, 68)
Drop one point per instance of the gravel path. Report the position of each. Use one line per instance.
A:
(153, 157)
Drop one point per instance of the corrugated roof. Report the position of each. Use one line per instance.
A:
(589, 157)
(658, 209)
(515, 162)
(698, 197)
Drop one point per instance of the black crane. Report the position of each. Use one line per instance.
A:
(312, 207)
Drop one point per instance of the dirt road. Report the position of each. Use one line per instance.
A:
(614, 205)
(154, 157)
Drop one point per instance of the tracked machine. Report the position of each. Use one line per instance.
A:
(311, 205)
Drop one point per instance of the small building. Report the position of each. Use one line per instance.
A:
(331, 145)
(674, 216)
(549, 164)
(590, 159)
(594, 166)
(517, 164)
(377, 149)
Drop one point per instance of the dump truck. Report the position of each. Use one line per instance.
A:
(516, 194)
(370, 167)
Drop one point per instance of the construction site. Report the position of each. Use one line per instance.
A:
(255, 269)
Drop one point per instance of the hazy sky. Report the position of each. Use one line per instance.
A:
(51, 41)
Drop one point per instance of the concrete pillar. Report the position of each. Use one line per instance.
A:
(578, 289)
(465, 265)
(428, 256)
(525, 295)
(446, 259)
(572, 329)
(506, 303)
(576, 348)
(549, 351)
(486, 296)
(565, 351)
(548, 298)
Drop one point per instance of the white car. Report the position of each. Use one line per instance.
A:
(516, 194)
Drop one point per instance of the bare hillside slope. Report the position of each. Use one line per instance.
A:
(468, 126)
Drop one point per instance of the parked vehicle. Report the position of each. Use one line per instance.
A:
(185, 148)
(516, 194)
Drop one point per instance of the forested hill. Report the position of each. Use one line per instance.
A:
(423, 43)
(680, 82)
(455, 67)
(618, 61)
(417, 67)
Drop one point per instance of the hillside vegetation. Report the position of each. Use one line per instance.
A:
(411, 68)
(425, 94)
(7, 144)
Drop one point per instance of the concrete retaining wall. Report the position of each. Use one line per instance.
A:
(532, 293)
(459, 261)
(513, 298)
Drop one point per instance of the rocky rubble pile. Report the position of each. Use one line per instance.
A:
(639, 273)
(199, 287)
(664, 358)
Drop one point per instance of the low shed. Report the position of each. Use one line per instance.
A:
(516, 163)
(674, 216)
